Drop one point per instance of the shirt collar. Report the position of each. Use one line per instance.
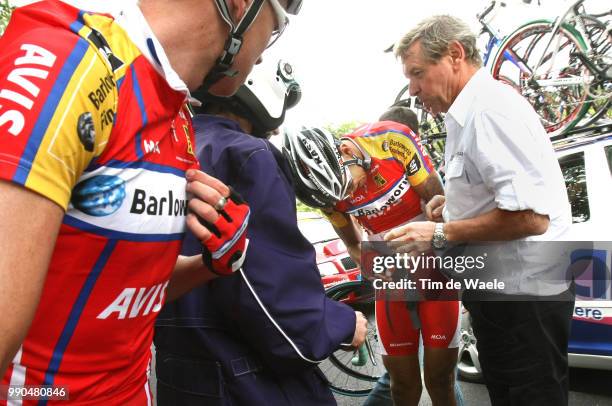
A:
(212, 121)
(462, 104)
(131, 19)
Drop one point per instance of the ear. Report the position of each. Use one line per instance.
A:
(238, 8)
(456, 51)
(345, 148)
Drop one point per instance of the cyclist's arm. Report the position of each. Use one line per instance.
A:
(30, 224)
(45, 149)
(420, 173)
(430, 187)
(348, 231)
(188, 273)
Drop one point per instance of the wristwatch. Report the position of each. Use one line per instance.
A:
(438, 241)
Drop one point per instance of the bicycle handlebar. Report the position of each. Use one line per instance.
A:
(363, 353)
(361, 356)
(604, 14)
(490, 8)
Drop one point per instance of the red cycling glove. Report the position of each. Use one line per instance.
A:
(225, 250)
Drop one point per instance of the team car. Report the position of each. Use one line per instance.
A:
(334, 263)
(586, 163)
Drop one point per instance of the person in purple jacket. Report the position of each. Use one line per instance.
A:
(256, 336)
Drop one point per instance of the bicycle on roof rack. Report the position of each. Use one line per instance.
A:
(561, 66)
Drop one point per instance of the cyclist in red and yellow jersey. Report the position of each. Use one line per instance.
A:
(376, 178)
(97, 170)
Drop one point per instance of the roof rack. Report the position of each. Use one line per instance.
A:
(581, 136)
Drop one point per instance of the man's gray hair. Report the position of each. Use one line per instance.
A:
(436, 33)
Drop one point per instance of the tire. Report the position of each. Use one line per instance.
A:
(600, 91)
(558, 91)
(344, 377)
(468, 365)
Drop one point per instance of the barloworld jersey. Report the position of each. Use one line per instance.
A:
(387, 199)
(91, 118)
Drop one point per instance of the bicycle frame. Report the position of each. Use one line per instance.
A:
(575, 12)
(494, 40)
(556, 27)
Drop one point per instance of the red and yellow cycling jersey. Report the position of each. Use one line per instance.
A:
(398, 162)
(388, 200)
(90, 119)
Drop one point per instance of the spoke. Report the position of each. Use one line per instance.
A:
(474, 356)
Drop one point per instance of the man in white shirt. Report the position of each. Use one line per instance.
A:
(503, 184)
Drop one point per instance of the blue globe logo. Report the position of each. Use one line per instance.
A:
(99, 196)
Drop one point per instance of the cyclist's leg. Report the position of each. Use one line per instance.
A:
(458, 392)
(440, 321)
(399, 342)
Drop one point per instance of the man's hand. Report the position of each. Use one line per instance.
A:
(416, 237)
(433, 208)
(361, 329)
(218, 218)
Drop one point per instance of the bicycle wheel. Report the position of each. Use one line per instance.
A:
(557, 90)
(600, 91)
(344, 377)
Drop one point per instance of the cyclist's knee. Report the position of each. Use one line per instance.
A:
(439, 379)
(405, 388)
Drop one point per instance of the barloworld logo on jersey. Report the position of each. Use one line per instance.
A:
(131, 200)
(103, 195)
(384, 202)
(156, 205)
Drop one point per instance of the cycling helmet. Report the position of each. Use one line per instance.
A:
(223, 65)
(320, 177)
(265, 96)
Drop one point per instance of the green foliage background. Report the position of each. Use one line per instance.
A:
(343, 128)
(5, 14)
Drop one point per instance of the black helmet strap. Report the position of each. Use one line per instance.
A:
(365, 163)
(223, 65)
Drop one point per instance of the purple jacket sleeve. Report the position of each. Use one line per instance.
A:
(277, 302)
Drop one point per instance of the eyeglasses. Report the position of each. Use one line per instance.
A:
(281, 21)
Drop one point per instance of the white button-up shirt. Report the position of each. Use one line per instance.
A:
(499, 156)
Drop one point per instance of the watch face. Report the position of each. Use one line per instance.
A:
(438, 241)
